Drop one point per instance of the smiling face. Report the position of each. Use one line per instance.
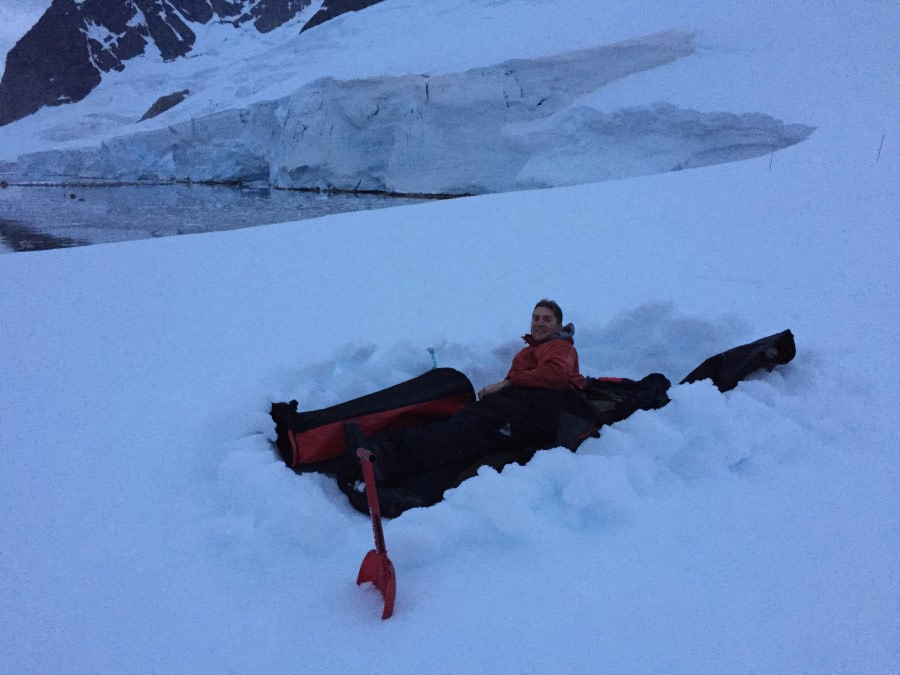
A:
(543, 324)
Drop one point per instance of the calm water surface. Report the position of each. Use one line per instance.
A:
(34, 218)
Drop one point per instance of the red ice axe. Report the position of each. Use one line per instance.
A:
(376, 566)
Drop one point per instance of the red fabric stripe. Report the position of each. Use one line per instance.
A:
(294, 451)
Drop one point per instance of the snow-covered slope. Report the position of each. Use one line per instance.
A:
(148, 526)
(751, 531)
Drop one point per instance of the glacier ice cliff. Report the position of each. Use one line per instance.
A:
(515, 125)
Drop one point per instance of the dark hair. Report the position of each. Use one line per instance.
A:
(552, 306)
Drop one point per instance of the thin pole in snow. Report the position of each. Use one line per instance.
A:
(771, 159)
(881, 145)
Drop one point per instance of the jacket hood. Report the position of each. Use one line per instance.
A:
(567, 332)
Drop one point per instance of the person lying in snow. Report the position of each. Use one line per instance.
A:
(430, 434)
(521, 411)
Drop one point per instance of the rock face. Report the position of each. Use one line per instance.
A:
(515, 125)
(64, 55)
(332, 9)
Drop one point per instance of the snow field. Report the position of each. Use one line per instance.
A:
(149, 527)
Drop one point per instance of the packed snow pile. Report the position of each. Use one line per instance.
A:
(506, 127)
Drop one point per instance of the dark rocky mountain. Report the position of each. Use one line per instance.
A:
(64, 55)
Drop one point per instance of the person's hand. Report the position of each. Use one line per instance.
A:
(493, 388)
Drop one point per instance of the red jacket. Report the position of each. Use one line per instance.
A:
(552, 364)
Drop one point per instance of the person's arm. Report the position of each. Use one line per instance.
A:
(557, 361)
(493, 388)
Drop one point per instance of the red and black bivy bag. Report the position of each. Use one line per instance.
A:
(313, 440)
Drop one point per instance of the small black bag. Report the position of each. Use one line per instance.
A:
(732, 366)
(615, 398)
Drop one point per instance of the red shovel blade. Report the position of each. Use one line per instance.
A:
(376, 566)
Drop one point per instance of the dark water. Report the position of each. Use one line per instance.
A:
(36, 218)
